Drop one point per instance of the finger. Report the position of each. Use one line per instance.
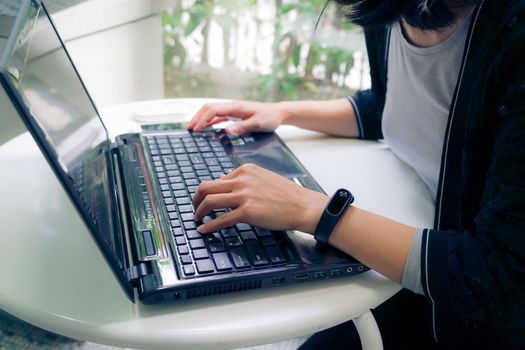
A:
(242, 127)
(210, 187)
(227, 109)
(216, 120)
(225, 220)
(215, 201)
(211, 111)
(197, 116)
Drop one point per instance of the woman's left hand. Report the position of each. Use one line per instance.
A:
(260, 198)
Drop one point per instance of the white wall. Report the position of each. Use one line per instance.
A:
(117, 48)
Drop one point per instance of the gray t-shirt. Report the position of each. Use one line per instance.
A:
(421, 82)
(420, 87)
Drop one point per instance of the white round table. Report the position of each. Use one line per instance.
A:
(53, 275)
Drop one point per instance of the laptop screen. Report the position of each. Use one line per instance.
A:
(64, 121)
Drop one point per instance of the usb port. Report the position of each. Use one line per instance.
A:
(336, 272)
(301, 276)
(320, 274)
(277, 281)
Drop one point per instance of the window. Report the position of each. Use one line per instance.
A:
(267, 50)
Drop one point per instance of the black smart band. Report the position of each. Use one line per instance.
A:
(341, 199)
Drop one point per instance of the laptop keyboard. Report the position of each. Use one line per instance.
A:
(181, 162)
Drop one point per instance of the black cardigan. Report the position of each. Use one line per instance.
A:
(473, 259)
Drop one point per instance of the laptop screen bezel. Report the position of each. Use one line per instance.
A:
(119, 264)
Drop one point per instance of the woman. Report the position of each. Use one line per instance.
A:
(448, 95)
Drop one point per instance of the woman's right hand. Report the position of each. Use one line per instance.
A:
(254, 116)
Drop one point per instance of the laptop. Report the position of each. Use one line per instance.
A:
(135, 192)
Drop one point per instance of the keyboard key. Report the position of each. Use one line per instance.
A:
(216, 246)
(170, 208)
(177, 186)
(222, 261)
(173, 173)
(243, 227)
(205, 266)
(168, 159)
(166, 194)
(177, 231)
(196, 159)
(256, 253)
(171, 167)
(276, 255)
(189, 175)
(200, 254)
(184, 163)
(191, 182)
(180, 193)
(229, 232)
(186, 208)
(266, 241)
(232, 242)
(239, 258)
(188, 270)
(247, 235)
(186, 259)
(193, 234)
(180, 240)
(197, 243)
(212, 161)
(168, 201)
(182, 200)
(186, 169)
(260, 232)
(200, 166)
(190, 225)
(186, 216)
(175, 223)
(175, 179)
(183, 250)
(173, 215)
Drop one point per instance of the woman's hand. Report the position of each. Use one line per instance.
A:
(258, 197)
(255, 116)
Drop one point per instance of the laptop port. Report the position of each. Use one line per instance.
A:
(301, 276)
(336, 272)
(349, 269)
(360, 268)
(278, 281)
(320, 274)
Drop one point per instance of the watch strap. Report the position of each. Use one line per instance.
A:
(336, 207)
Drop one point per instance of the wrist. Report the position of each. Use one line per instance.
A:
(287, 112)
(312, 210)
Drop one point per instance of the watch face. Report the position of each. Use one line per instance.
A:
(339, 201)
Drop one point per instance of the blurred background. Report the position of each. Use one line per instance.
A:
(266, 50)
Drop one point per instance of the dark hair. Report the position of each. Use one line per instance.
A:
(422, 14)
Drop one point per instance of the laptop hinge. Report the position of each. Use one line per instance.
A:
(137, 271)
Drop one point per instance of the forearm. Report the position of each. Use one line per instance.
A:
(334, 117)
(378, 242)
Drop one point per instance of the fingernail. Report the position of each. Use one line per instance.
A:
(232, 130)
(199, 229)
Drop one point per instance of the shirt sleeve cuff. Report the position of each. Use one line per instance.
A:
(412, 273)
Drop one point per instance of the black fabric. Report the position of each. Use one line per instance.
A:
(404, 322)
(473, 266)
